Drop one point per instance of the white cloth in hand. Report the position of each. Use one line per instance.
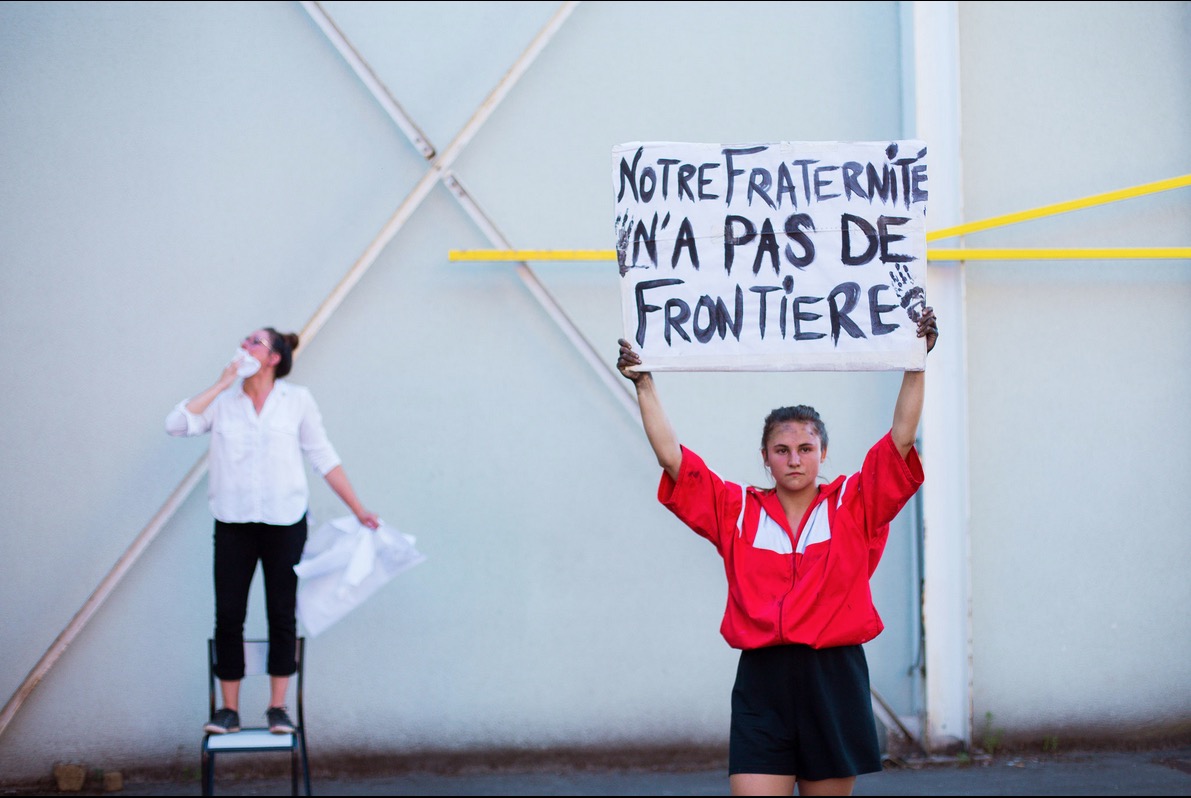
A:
(345, 562)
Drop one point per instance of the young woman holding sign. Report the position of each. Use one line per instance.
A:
(798, 557)
(261, 426)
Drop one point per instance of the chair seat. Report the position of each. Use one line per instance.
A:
(257, 739)
(249, 740)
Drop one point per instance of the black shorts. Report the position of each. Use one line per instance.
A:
(805, 712)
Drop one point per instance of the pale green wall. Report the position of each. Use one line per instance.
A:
(177, 174)
(1080, 372)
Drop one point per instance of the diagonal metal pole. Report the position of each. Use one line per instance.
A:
(369, 78)
(100, 594)
(612, 381)
(440, 165)
(108, 584)
(440, 171)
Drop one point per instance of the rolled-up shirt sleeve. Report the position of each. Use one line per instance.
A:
(312, 437)
(182, 423)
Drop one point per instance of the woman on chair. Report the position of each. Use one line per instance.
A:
(798, 558)
(261, 425)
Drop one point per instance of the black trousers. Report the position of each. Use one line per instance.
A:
(238, 548)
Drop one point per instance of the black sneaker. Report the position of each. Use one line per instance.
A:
(279, 721)
(223, 721)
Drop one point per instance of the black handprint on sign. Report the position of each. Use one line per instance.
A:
(912, 297)
(624, 230)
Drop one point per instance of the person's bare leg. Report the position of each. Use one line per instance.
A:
(231, 694)
(761, 784)
(279, 686)
(827, 786)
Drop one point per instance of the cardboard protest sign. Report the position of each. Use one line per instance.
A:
(787, 256)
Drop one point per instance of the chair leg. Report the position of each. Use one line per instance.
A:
(293, 768)
(208, 773)
(305, 762)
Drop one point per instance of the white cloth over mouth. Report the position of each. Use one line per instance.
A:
(246, 364)
(345, 562)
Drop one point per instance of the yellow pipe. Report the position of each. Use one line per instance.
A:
(1060, 207)
(935, 255)
(1086, 253)
(938, 254)
(532, 254)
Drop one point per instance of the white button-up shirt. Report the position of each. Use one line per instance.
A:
(255, 461)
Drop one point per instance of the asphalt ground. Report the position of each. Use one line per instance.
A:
(1163, 771)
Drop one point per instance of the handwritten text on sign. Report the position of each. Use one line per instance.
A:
(772, 257)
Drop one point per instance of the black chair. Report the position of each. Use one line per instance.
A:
(258, 739)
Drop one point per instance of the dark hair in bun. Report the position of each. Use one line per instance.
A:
(284, 345)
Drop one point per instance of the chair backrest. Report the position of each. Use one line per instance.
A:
(256, 657)
(256, 663)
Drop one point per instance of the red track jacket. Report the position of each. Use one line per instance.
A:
(807, 586)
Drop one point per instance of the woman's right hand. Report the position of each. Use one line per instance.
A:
(229, 375)
(199, 404)
(629, 357)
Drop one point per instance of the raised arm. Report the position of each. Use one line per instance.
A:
(908, 410)
(198, 404)
(187, 418)
(653, 417)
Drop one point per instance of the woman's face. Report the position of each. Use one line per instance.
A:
(259, 344)
(793, 455)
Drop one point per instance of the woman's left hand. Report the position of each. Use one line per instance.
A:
(928, 327)
(629, 358)
(368, 519)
